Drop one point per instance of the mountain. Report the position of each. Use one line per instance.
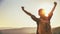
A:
(26, 30)
(56, 30)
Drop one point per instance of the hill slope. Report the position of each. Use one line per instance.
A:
(26, 30)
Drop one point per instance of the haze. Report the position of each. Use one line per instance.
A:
(12, 16)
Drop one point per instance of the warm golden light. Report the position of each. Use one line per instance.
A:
(46, 13)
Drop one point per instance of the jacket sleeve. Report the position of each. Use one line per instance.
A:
(34, 18)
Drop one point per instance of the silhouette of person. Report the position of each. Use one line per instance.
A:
(43, 23)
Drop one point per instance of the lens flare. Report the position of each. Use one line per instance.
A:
(46, 13)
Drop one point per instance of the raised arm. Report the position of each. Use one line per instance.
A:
(32, 16)
(26, 11)
(51, 13)
(55, 3)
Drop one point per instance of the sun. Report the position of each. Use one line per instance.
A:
(46, 13)
(47, 7)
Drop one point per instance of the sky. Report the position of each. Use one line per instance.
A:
(11, 14)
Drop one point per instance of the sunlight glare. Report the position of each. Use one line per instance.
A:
(47, 8)
(46, 12)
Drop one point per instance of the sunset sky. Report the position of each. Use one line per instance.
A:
(11, 14)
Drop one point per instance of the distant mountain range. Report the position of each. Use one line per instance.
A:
(56, 30)
(26, 30)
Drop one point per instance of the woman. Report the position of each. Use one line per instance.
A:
(43, 23)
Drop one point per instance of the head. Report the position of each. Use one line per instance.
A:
(41, 12)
